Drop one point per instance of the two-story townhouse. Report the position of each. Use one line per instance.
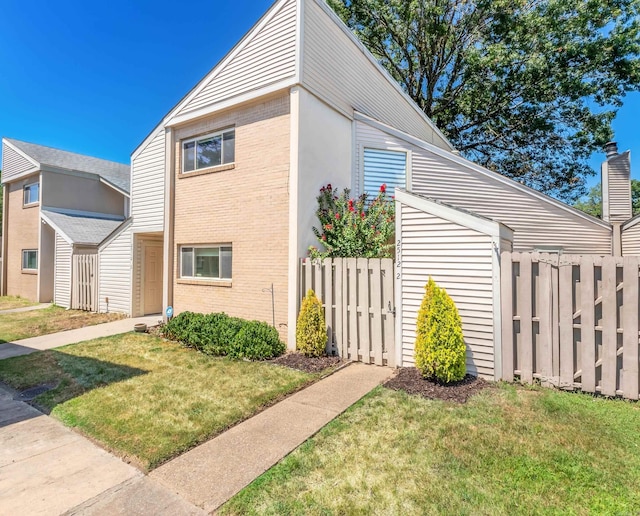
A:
(57, 204)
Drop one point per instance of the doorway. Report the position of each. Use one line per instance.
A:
(152, 287)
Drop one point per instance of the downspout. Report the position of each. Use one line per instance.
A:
(5, 224)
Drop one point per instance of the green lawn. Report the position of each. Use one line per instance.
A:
(509, 450)
(8, 302)
(21, 325)
(145, 398)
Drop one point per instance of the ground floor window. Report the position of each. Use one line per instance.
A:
(205, 261)
(30, 260)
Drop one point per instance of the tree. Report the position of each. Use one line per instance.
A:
(592, 202)
(527, 88)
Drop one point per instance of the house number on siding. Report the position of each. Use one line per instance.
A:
(398, 258)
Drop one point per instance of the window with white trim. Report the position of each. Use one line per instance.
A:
(205, 262)
(31, 194)
(29, 260)
(384, 167)
(209, 151)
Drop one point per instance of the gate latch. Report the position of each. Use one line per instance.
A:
(391, 310)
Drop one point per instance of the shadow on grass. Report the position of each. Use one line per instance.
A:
(49, 378)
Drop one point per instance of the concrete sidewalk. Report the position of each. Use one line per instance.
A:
(41, 306)
(55, 340)
(210, 474)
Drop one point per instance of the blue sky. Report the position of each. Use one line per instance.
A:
(96, 77)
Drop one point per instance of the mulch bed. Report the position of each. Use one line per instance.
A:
(410, 380)
(307, 364)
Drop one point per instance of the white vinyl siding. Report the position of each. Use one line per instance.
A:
(62, 273)
(460, 260)
(384, 167)
(267, 58)
(338, 70)
(616, 188)
(115, 273)
(631, 239)
(147, 192)
(14, 164)
(536, 221)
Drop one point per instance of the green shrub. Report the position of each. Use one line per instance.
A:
(311, 330)
(440, 351)
(182, 326)
(256, 340)
(220, 330)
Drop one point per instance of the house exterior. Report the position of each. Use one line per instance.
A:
(57, 204)
(223, 189)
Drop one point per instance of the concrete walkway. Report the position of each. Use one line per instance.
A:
(210, 474)
(41, 306)
(55, 340)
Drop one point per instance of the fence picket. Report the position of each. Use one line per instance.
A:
(328, 303)
(525, 313)
(587, 324)
(565, 305)
(508, 343)
(376, 305)
(387, 270)
(609, 326)
(352, 310)
(545, 315)
(630, 328)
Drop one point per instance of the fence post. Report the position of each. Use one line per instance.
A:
(630, 328)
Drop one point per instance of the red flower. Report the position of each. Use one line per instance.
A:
(337, 216)
(351, 205)
(329, 186)
(329, 227)
(383, 188)
(362, 215)
(324, 237)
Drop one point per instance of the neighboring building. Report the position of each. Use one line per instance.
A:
(57, 204)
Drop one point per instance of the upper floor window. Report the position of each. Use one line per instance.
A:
(31, 193)
(209, 151)
(384, 167)
(29, 260)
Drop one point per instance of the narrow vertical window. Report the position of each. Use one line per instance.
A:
(31, 193)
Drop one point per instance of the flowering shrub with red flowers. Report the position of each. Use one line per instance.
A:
(361, 227)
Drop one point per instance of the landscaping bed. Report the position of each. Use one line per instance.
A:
(22, 325)
(308, 364)
(508, 450)
(145, 398)
(411, 381)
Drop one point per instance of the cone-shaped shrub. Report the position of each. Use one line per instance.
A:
(440, 350)
(311, 331)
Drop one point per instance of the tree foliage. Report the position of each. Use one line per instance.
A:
(592, 202)
(527, 88)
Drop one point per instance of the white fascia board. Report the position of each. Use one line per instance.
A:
(365, 51)
(477, 168)
(242, 98)
(631, 222)
(21, 152)
(64, 236)
(125, 224)
(463, 218)
(266, 18)
(27, 173)
(496, 274)
(116, 188)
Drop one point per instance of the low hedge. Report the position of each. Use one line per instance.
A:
(218, 334)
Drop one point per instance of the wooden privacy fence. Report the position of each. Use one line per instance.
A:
(357, 296)
(571, 321)
(84, 282)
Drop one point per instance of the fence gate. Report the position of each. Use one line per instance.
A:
(84, 282)
(358, 300)
(572, 321)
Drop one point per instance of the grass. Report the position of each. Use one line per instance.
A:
(22, 325)
(507, 451)
(8, 302)
(147, 399)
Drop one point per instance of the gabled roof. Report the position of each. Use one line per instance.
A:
(85, 229)
(115, 173)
